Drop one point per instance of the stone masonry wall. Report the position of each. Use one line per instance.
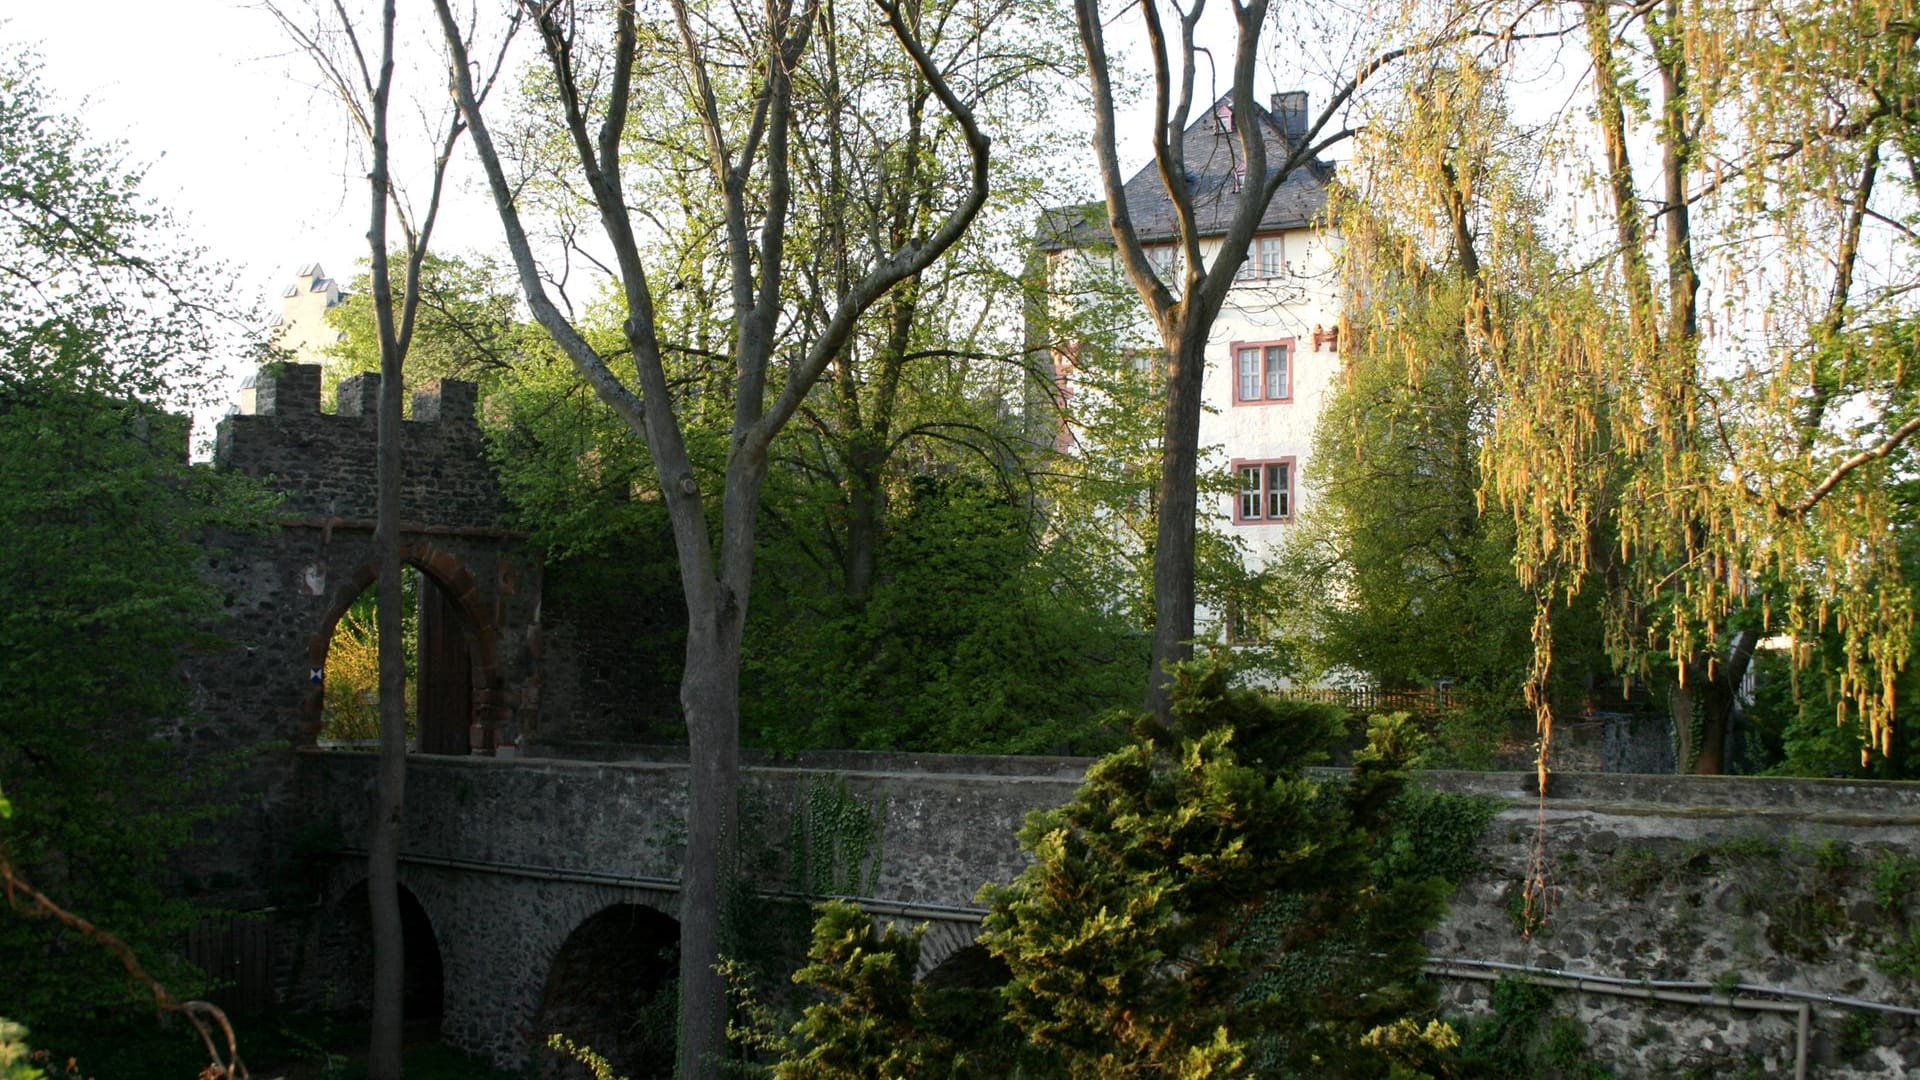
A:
(259, 695)
(1758, 882)
(325, 463)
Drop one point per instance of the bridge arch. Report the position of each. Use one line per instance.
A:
(969, 967)
(944, 939)
(612, 984)
(340, 953)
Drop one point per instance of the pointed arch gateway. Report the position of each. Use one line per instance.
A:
(458, 680)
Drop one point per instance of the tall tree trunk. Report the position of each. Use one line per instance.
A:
(710, 694)
(383, 845)
(866, 510)
(716, 585)
(1630, 232)
(1716, 698)
(869, 441)
(383, 840)
(1177, 506)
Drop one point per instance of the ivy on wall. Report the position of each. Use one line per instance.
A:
(835, 839)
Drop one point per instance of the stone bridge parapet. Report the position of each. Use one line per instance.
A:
(1707, 882)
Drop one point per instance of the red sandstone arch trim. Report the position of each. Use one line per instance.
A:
(477, 625)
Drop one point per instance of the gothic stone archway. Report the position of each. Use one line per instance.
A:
(284, 589)
(459, 678)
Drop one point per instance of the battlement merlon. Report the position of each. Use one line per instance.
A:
(286, 399)
(294, 390)
(326, 465)
(440, 401)
(446, 401)
(286, 390)
(358, 395)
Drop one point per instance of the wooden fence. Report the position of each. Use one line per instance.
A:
(1366, 699)
(236, 952)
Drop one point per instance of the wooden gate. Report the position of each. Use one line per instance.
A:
(446, 674)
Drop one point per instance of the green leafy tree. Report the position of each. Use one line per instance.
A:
(925, 380)
(103, 575)
(1098, 482)
(99, 292)
(873, 1019)
(1396, 572)
(99, 557)
(750, 59)
(975, 639)
(1701, 412)
(1400, 575)
(466, 326)
(1203, 908)
(1803, 723)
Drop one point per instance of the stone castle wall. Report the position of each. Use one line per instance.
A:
(258, 695)
(561, 668)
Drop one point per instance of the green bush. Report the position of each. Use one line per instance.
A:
(1201, 908)
(1523, 1039)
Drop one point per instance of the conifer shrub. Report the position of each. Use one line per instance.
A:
(1203, 907)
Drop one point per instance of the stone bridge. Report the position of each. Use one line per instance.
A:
(541, 892)
(517, 868)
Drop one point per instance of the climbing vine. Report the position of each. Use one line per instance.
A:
(836, 839)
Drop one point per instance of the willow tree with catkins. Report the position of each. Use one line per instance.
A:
(1692, 282)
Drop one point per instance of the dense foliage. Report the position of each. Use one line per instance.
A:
(103, 586)
(1700, 413)
(467, 325)
(97, 291)
(99, 558)
(973, 639)
(1201, 908)
(1802, 722)
(1398, 574)
(350, 697)
(1395, 573)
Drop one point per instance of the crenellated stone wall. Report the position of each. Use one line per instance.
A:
(324, 464)
(259, 694)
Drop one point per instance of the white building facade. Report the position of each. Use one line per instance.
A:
(1272, 357)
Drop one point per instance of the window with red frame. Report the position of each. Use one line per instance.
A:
(1266, 492)
(1263, 372)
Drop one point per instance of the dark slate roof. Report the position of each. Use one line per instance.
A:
(1210, 158)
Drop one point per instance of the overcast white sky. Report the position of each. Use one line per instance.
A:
(257, 164)
(203, 91)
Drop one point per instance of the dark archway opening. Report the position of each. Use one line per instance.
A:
(614, 987)
(969, 968)
(440, 670)
(423, 998)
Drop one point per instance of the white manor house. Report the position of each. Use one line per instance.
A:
(1273, 355)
